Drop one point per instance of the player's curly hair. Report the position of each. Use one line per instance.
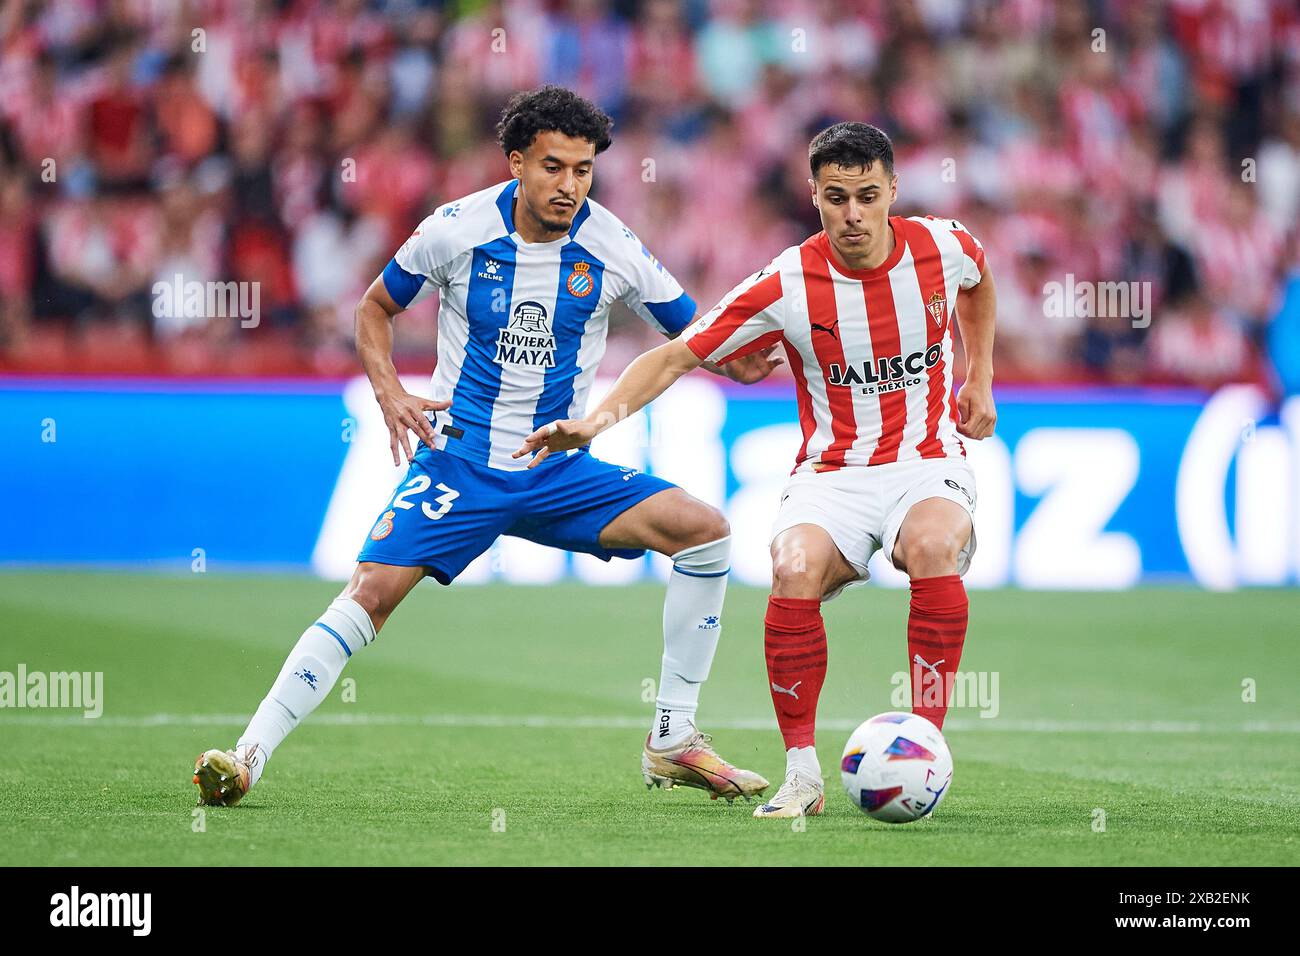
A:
(851, 144)
(551, 108)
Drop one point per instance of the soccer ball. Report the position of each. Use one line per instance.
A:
(896, 767)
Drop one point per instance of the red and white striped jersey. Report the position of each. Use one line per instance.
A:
(870, 349)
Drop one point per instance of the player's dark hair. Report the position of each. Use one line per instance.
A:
(551, 109)
(851, 144)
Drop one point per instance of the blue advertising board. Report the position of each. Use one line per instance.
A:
(1079, 488)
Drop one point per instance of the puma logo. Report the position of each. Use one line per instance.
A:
(778, 689)
(932, 668)
(832, 330)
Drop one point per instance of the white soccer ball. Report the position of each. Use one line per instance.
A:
(896, 767)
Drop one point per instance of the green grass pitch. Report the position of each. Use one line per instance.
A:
(503, 724)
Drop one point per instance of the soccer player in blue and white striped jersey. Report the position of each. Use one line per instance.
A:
(526, 272)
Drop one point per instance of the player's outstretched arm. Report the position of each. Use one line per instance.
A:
(748, 369)
(402, 410)
(976, 315)
(641, 383)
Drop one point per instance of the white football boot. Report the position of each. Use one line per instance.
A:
(802, 795)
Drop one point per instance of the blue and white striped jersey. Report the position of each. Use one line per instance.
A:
(521, 326)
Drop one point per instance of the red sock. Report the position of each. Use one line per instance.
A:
(795, 642)
(936, 630)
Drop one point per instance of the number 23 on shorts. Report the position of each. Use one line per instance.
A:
(418, 486)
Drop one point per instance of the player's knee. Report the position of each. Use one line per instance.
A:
(715, 525)
(707, 524)
(373, 598)
(931, 548)
(796, 574)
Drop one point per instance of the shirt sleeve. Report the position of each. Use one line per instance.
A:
(750, 317)
(653, 293)
(420, 265)
(972, 254)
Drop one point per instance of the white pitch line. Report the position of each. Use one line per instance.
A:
(613, 722)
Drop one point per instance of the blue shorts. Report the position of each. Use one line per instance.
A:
(447, 511)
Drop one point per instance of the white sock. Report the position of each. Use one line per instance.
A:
(305, 680)
(692, 626)
(803, 758)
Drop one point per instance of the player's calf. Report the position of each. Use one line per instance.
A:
(697, 538)
(692, 627)
(306, 678)
(929, 547)
(806, 566)
(936, 634)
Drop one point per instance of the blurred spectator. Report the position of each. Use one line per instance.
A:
(189, 246)
(119, 123)
(732, 48)
(661, 60)
(17, 259)
(588, 53)
(1279, 172)
(1195, 342)
(186, 122)
(1237, 250)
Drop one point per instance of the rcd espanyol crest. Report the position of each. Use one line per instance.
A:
(383, 527)
(580, 282)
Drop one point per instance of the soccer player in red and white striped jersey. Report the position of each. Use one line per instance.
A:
(864, 310)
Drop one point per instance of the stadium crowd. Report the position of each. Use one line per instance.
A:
(296, 145)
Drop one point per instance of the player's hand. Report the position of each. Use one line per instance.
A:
(750, 368)
(404, 412)
(557, 436)
(976, 412)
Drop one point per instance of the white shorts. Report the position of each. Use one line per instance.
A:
(863, 507)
